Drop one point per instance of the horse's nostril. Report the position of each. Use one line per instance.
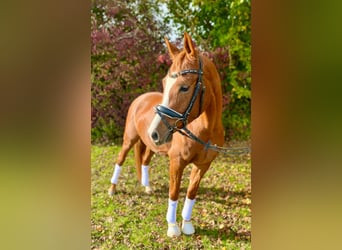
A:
(155, 136)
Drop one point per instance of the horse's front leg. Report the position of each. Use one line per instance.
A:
(176, 172)
(197, 173)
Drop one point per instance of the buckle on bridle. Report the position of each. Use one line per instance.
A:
(180, 126)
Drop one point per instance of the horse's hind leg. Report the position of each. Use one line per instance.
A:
(143, 157)
(129, 141)
(146, 169)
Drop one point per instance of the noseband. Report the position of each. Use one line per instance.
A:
(182, 119)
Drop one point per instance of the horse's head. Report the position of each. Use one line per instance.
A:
(183, 91)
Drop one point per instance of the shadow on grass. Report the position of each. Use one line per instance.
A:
(217, 195)
(222, 196)
(224, 234)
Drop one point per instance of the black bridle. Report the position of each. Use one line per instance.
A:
(182, 119)
(164, 111)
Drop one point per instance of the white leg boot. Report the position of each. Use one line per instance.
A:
(145, 179)
(114, 179)
(173, 229)
(187, 227)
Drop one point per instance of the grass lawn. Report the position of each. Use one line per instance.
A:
(132, 219)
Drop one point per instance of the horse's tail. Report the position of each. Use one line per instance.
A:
(139, 149)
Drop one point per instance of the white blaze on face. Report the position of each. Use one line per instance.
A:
(156, 120)
(168, 85)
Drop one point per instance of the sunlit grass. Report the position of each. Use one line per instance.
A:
(132, 219)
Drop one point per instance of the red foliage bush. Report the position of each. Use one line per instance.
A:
(124, 64)
(128, 58)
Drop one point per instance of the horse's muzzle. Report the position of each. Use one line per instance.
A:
(158, 140)
(155, 136)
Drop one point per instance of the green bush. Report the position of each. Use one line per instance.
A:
(128, 57)
(224, 27)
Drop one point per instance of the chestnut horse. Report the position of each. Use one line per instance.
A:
(182, 123)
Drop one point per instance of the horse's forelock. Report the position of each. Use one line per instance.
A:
(182, 61)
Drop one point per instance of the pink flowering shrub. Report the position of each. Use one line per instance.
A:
(128, 58)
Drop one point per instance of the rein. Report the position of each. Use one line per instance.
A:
(234, 151)
(164, 111)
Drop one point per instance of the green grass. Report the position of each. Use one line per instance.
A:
(132, 219)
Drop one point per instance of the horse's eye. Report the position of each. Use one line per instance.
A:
(184, 88)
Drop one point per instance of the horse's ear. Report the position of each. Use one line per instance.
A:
(189, 46)
(173, 50)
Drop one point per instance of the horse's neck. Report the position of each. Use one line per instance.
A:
(214, 95)
(209, 119)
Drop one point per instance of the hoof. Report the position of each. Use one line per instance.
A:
(111, 190)
(148, 190)
(188, 228)
(173, 230)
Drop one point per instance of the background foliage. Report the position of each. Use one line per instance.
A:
(121, 38)
(128, 56)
